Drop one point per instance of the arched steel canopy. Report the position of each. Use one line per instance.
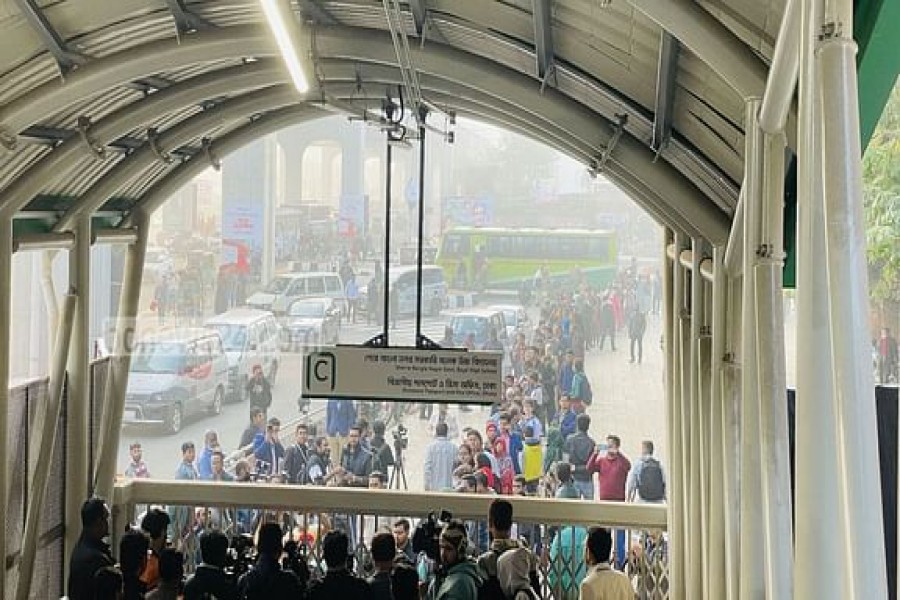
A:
(105, 105)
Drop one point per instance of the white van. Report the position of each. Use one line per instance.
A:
(250, 337)
(282, 290)
(174, 375)
(403, 280)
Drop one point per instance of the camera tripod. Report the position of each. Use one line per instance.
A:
(398, 473)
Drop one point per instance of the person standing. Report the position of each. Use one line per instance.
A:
(646, 481)
(340, 414)
(613, 468)
(210, 444)
(209, 580)
(90, 553)
(500, 524)
(356, 461)
(384, 551)
(439, 459)
(351, 292)
(181, 517)
(602, 582)
(458, 577)
(577, 450)
(637, 325)
(255, 431)
(339, 583)
(266, 579)
(259, 391)
(296, 458)
(270, 454)
(137, 468)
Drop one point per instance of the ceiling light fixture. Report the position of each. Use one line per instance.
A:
(280, 18)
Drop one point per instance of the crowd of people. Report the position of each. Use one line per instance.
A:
(445, 566)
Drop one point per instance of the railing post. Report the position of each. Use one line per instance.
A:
(716, 483)
(752, 572)
(694, 430)
(676, 493)
(78, 389)
(848, 294)
(731, 438)
(120, 361)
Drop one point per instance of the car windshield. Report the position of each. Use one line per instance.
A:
(277, 285)
(464, 325)
(307, 309)
(233, 336)
(510, 317)
(157, 358)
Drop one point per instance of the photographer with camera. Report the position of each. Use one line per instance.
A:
(210, 580)
(339, 583)
(457, 578)
(267, 580)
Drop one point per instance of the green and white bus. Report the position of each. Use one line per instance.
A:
(514, 255)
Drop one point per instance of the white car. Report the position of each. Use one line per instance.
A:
(516, 317)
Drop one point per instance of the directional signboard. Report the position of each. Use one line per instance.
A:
(403, 374)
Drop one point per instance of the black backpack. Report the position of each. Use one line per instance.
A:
(651, 486)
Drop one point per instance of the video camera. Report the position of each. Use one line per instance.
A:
(241, 556)
(427, 535)
(401, 439)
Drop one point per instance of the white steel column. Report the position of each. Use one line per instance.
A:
(120, 361)
(6, 246)
(676, 492)
(731, 438)
(704, 363)
(716, 481)
(819, 566)
(694, 432)
(772, 386)
(751, 573)
(78, 390)
(41, 446)
(848, 293)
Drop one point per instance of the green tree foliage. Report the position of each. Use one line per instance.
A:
(881, 181)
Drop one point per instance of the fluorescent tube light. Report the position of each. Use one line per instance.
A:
(277, 14)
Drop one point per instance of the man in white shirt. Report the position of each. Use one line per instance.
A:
(602, 581)
(439, 459)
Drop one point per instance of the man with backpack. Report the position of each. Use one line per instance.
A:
(500, 521)
(582, 395)
(646, 481)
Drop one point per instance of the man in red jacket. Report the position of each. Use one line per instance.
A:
(613, 467)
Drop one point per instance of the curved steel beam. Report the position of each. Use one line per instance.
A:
(56, 165)
(230, 142)
(189, 129)
(711, 41)
(136, 62)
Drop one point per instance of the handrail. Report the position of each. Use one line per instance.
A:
(384, 502)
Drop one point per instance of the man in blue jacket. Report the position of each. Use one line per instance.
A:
(339, 417)
(270, 454)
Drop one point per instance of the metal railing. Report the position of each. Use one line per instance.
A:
(555, 529)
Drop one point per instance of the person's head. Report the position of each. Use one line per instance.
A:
(578, 365)
(136, 452)
(322, 447)
(257, 416)
(583, 422)
(156, 523)
(171, 566)
(376, 480)
(440, 430)
(378, 429)
(505, 422)
(353, 437)
(598, 546)
(273, 428)
(500, 517)
(133, 552)
(474, 441)
(269, 543)
(491, 431)
(95, 518)
(570, 357)
(500, 447)
(257, 372)
(564, 403)
(217, 461)
(335, 550)
(613, 443)
(188, 452)
(301, 434)
(528, 409)
(519, 485)
(647, 448)
(563, 472)
(384, 550)
(453, 543)
(211, 438)
(108, 584)
(214, 548)
(401, 532)
(464, 454)
(405, 583)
